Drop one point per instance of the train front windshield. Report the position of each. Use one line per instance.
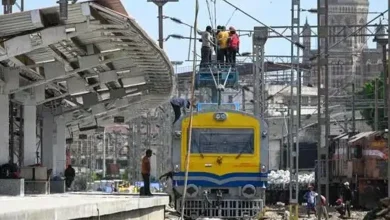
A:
(222, 141)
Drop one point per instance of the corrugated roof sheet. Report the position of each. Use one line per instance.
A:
(360, 136)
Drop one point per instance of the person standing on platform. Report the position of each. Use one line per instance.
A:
(70, 173)
(223, 37)
(146, 173)
(207, 46)
(234, 45)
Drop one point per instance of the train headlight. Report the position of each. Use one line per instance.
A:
(220, 116)
(248, 191)
(192, 191)
(176, 169)
(263, 169)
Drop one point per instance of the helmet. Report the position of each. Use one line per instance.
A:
(346, 184)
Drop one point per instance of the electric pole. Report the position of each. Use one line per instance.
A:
(160, 4)
(294, 108)
(388, 103)
(322, 61)
(376, 106)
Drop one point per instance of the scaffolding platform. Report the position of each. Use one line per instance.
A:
(214, 75)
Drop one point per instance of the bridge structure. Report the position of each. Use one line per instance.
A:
(64, 80)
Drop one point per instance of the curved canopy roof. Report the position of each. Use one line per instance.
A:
(97, 64)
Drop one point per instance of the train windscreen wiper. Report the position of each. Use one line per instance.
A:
(198, 147)
(247, 144)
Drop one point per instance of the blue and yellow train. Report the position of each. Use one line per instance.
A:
(228, 164)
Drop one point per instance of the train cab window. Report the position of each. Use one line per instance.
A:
(358, 152)
(222, 141)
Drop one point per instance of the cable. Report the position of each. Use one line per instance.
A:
(298, 44)
(230, 17)
(210, 15)
(191, 114)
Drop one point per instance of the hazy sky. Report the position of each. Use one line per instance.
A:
(271, 12)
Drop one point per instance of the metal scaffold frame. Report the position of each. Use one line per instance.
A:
(295, 108)
(322, 61)
(260, 36)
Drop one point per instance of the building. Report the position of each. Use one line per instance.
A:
(351, 57)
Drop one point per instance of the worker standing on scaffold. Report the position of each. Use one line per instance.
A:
(223, 37)
(207, 46)
(234, 45)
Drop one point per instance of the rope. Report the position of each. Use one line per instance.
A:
(191, 113)
(210, 14)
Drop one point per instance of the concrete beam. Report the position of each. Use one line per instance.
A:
(40, 39)
(65, 95)
(73, 73)
(127, 102)
(137, 89)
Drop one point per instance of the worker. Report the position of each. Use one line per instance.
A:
(310, 197)
(233, 45)
(215, 39)
(177, 105)
(347, 196)
(322, 205)
(70, 173)
(223, 37)
(146, 173)
(169, 186)
(207, 46)
(340, 207)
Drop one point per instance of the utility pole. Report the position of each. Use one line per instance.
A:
(260, 36)
(294, 107)
(388, 104)
(376, 106)
(322, 163)
(327, 118)
(160, 4)
(115, 147)
(353, 104)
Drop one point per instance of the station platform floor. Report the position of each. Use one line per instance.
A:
(83, 206)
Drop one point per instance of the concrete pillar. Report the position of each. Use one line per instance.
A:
(59, 146)
(4, 129)
(30, 135)
(47, 140)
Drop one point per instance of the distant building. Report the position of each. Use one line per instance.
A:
(352, 56)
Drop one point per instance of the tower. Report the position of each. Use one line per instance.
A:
(343, 14)
(306, 32)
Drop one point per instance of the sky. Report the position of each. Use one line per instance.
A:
(270, 12)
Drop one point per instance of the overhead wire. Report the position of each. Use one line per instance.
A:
(187, 162)
(231, 16)
(210, 14)
(298, 44)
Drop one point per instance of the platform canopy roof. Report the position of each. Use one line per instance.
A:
(97, 64)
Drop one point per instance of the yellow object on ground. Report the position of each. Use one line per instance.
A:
(294, 212)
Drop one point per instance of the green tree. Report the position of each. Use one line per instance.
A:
(368, 93)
